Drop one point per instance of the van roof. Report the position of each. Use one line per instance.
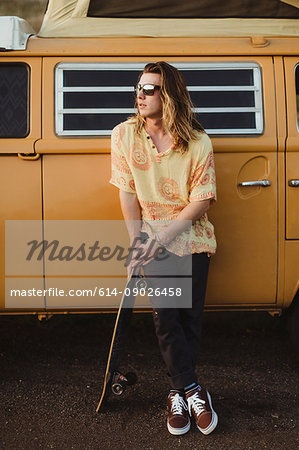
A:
(161, 18)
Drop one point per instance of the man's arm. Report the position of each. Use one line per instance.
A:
(194, 211)
(132, 213)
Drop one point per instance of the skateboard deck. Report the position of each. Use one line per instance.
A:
(115, 381)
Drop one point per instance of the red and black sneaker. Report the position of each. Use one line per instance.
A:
(200, 405)
(178, 421)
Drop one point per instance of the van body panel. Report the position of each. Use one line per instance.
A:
(26, 144)
(20, 181)
(159, 46)
(69, 145)
(76, 187)
(102, 145)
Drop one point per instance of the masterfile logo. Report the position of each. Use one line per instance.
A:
(84, 264)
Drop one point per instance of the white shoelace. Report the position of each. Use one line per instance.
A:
(196, 403)
(177, 404)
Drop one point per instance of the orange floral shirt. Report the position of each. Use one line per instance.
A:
(165, 183)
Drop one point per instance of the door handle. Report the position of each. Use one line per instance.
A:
(294, 183)
(263, 183)
(29, 156)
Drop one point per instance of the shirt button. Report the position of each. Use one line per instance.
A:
(153, 146)
(147, 137)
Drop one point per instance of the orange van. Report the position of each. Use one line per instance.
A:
(64, 89)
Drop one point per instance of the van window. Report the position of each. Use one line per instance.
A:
(14, 108)
(91, 98)
(297, 93)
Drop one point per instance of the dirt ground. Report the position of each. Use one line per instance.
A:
(51, 374)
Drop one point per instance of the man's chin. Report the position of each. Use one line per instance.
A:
(143, 114)
(150, 115)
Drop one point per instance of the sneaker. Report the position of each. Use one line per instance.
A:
(178, 421)
(200, 405)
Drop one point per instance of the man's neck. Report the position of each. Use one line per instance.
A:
(161, 139)
(155, 127)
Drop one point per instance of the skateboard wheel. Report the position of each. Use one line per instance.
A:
(141, 284)
(117, 388)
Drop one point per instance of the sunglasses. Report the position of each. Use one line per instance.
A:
(148, 89)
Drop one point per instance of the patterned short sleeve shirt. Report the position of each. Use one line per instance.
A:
(165, 183)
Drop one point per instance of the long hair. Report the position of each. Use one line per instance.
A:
(177, 116)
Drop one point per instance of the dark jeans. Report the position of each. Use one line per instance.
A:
(178, 329)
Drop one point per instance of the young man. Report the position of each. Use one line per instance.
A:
(162, 162)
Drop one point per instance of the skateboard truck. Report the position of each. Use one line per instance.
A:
(120, 382)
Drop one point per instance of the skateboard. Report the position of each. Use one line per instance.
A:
(115, 381)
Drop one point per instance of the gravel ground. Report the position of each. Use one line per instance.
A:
(51, 375)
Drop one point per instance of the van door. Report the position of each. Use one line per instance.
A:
(244, 270)
(292, 179)
(20, 174)
(292, 148)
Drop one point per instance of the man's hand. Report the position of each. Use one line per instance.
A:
(144, 253)
(147, 253)
(134, 255)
